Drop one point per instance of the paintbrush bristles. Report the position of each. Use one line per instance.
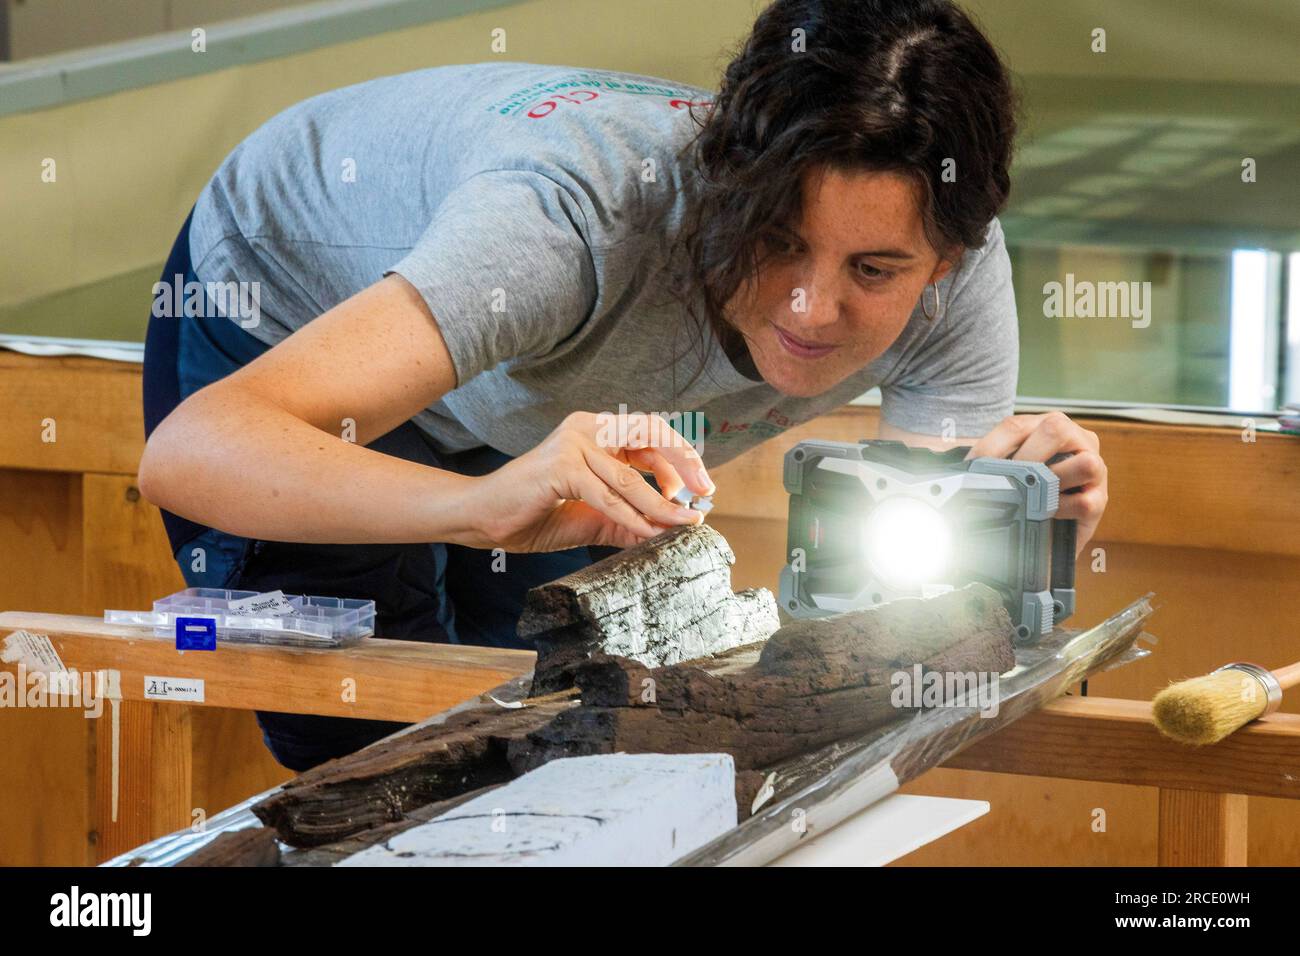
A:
(1204, 710)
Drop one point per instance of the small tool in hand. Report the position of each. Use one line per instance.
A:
(700, 503)
(1204, 710)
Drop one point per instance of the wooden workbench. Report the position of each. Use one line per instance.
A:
(1205, 520)
(145, 785)
(1203, 791)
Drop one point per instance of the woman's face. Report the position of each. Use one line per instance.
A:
(834, 293)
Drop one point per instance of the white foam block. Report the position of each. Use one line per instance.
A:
(885, 831)
(609, 810)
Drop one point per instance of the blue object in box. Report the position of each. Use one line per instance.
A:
(196, 634)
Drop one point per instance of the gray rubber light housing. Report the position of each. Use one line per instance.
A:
(874, 521)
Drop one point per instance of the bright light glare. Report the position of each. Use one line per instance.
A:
(907, 543)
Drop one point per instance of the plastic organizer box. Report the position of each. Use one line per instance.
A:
(300, 620)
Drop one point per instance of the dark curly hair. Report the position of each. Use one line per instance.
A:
(879, 85)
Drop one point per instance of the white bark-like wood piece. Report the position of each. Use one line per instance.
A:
(610, 810)
(663, 601)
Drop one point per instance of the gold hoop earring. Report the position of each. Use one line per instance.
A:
(924, 310)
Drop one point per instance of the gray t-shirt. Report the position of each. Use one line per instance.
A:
(533, 207)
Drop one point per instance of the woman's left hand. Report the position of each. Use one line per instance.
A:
(1038, 438)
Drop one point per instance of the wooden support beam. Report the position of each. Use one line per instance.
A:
(1202, 829)
(1115, 741)
(92, 405)
(143, 774)
(376, 679)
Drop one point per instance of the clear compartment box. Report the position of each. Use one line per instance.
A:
(315, 621)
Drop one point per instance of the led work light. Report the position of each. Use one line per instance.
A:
(877, 520)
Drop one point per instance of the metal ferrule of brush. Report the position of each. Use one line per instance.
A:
(1272, 689)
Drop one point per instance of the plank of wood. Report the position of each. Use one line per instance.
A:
(813, 682)
(1104, 739)
(820, 681)
(384, 782)
(665, 600)
(94, 404)
(144, 775)
(143, 779)
(340, 850)
(376, 679)
(1202, 829)
(254, 846)
(612, 810)
(41, 566)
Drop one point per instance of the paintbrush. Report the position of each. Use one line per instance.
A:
(1204, 710)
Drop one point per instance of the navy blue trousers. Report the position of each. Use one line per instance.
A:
(427, 592)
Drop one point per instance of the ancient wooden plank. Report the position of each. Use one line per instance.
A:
(255, 846)
(814, 682)
(383, 782)
(821, 681)
(332, 853)
(661, 602)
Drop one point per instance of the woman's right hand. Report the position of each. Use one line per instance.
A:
(376, 360)
(584, 485)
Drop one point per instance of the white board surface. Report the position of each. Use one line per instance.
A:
(886, 830)
(609, 810)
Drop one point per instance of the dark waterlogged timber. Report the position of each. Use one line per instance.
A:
(761, 698)
(255, 846)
